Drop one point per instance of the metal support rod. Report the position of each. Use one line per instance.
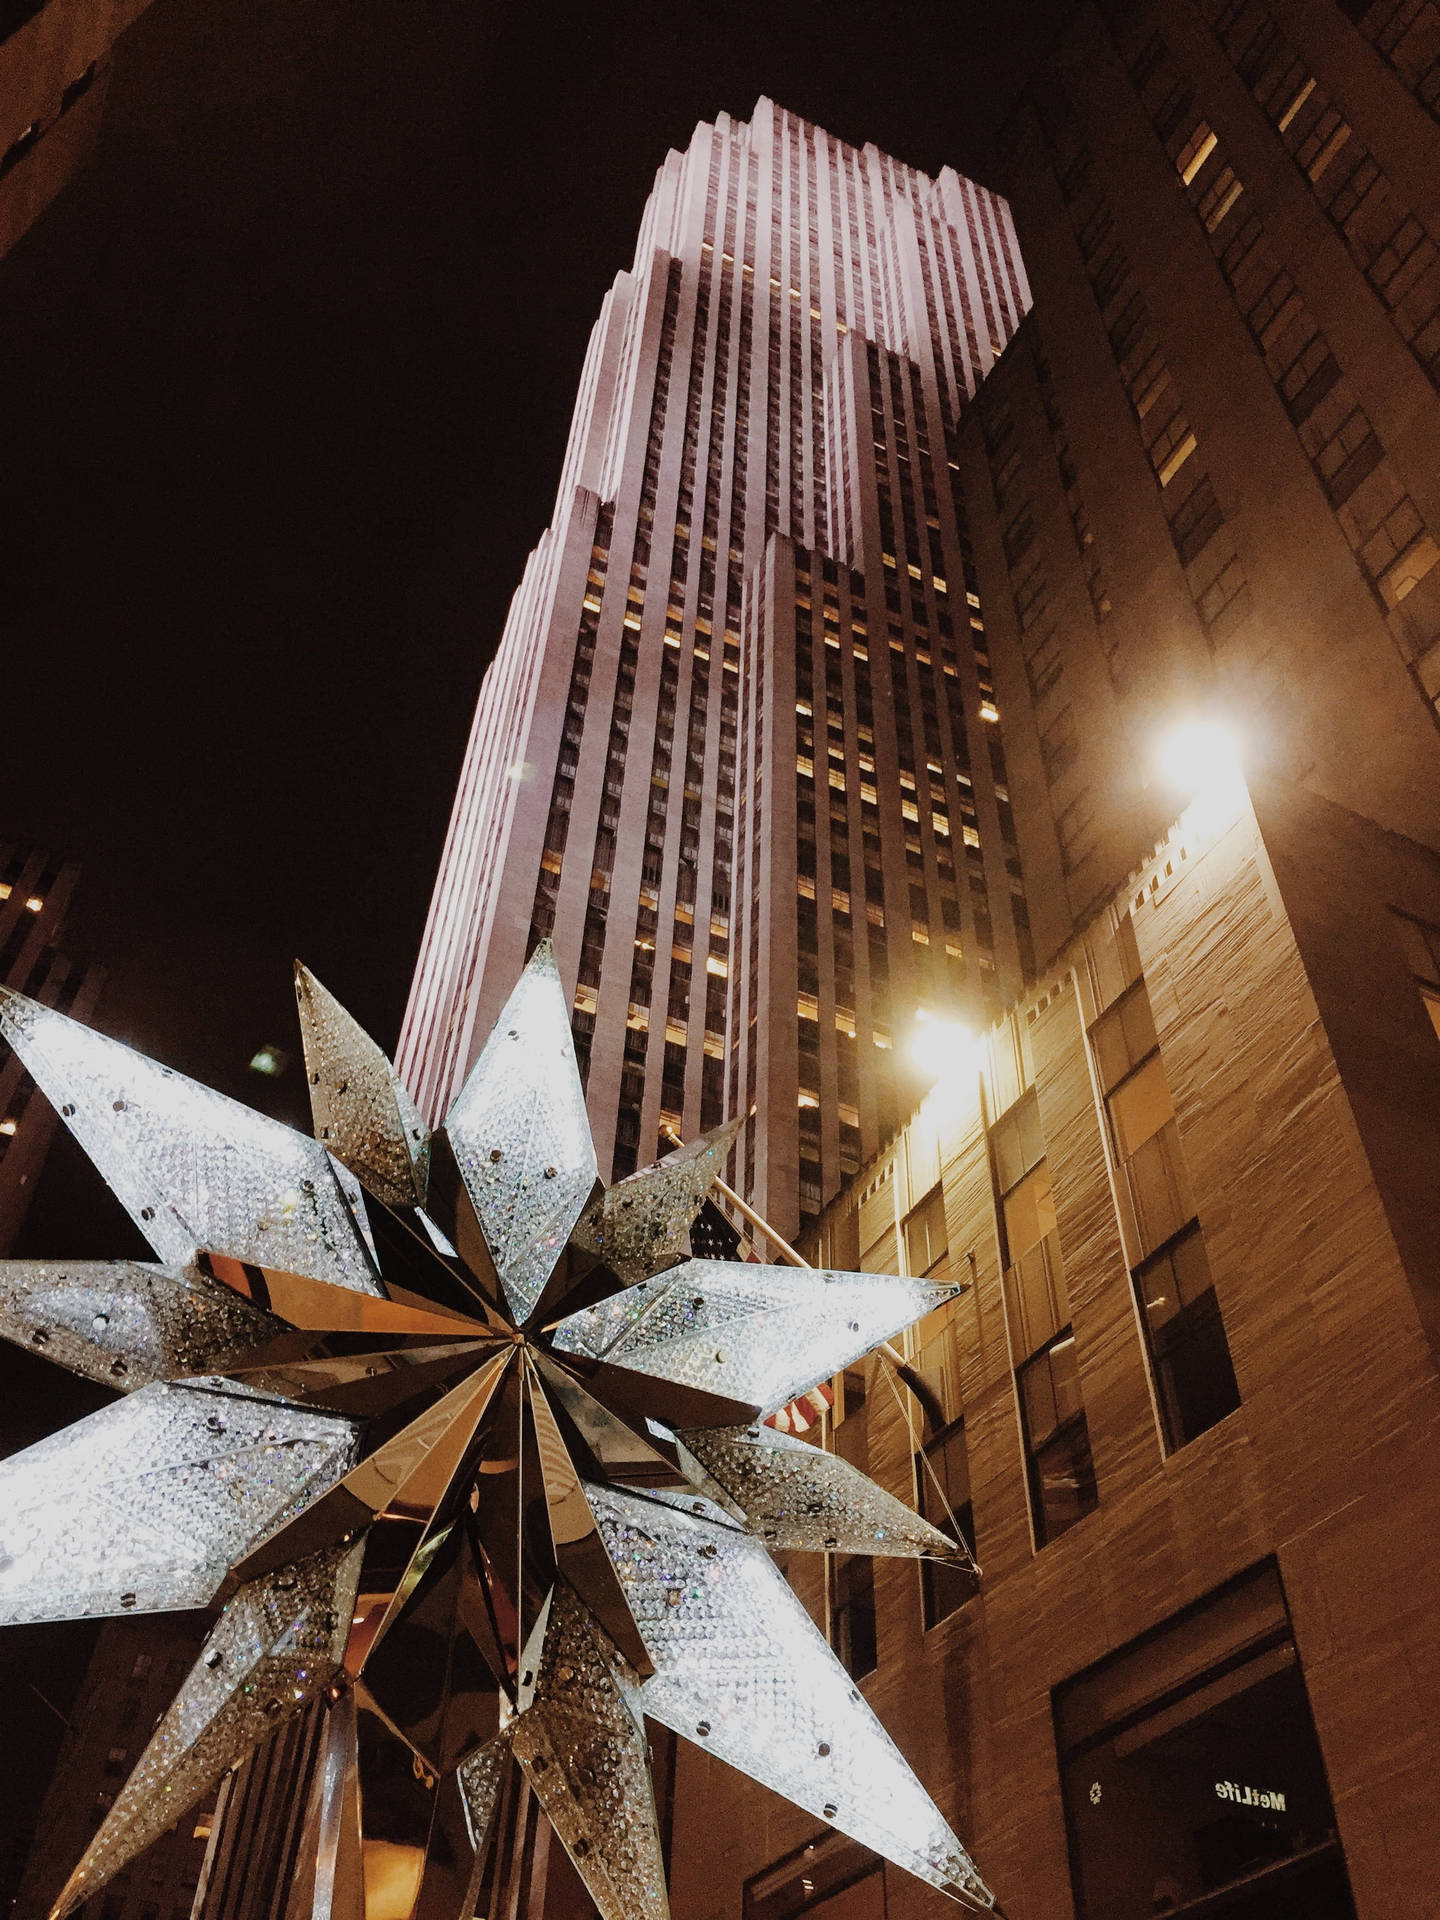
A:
(886, 1347)
(782, 1247)
(921, 1390)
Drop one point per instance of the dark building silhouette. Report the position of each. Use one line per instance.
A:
(35, 893)
(133, 1675)
(55, 61)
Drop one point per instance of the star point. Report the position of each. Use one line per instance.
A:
(494, 1478)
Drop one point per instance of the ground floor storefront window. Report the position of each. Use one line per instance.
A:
(1194, 1784)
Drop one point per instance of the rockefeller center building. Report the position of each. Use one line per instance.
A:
(739, 748)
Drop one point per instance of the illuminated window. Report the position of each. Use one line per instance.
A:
(35, 903)
(1196, 151)
(927, 1244)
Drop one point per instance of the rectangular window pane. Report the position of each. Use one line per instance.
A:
(1017, 1141)
(1189, 1354)
(945, 1460)
(1029, 1212)
(1037, 1400)
(1063, 1477)
(1123, 1036)
(1036, 1296)
(926, 1245)
(852, 1613)
(1140, 1106)
(1057, 1440)
(1159, 1191)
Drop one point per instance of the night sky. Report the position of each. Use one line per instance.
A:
(286, 377)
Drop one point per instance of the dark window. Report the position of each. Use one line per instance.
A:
(18, 148)
(77, 88)
(1194, 1377)
(1057, 1439)
(852, 1612)
(1196, 520)
(942, 1476)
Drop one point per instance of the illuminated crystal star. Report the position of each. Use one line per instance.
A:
(481, 1463)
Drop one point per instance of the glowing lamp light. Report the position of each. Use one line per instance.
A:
(1200, 757)
(943, 1049)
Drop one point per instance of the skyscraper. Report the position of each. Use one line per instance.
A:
(739, 747)
(1206, 477)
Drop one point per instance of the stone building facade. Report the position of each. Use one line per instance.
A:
(1190, 1413)
(1204, 475)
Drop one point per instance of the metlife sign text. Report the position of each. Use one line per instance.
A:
(1249, 1797)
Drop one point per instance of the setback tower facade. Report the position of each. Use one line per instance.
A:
(739, 748)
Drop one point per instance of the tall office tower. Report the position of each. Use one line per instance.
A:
(1205, 475)
(55, 61)
(132, 1677)
(35, 892)
(750, 648)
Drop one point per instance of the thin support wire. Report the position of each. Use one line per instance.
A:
(924, 1458)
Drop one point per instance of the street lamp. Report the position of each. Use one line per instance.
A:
(944, 1049)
